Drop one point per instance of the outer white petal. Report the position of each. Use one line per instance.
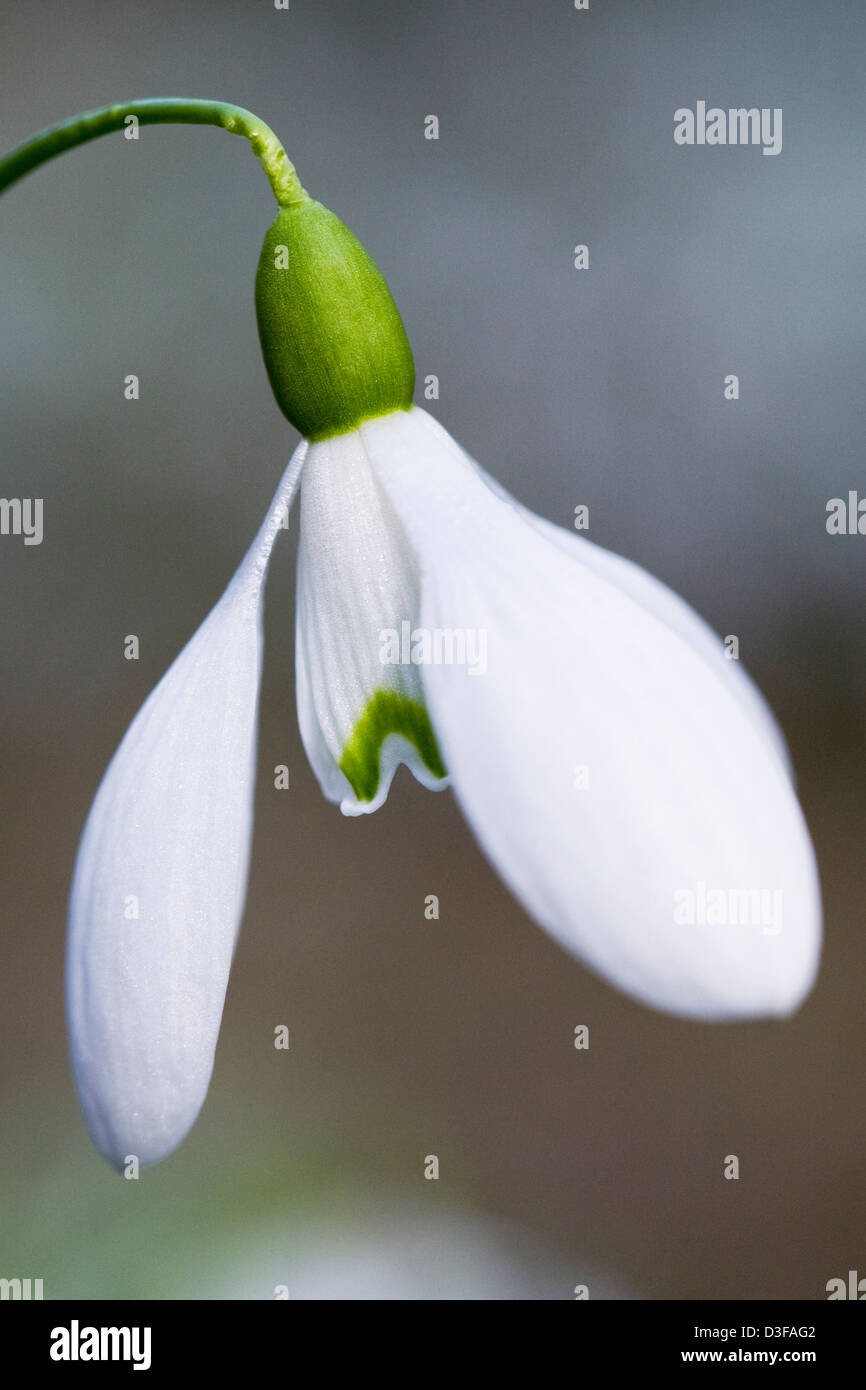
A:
(686, 793)
(650, 593)
(357, 578)
(161, 875)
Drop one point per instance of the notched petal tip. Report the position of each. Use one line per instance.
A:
(395, 749)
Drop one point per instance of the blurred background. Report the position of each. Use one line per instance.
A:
(603, 387)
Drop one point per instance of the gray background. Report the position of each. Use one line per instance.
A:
(603, 387)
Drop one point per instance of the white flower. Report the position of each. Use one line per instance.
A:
(588, 664)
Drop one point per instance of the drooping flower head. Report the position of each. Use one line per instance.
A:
(625, 779)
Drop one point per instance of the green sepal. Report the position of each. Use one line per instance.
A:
(334, 344)
(387, 712)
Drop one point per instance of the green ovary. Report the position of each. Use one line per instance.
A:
(334, 344)
(387, 712)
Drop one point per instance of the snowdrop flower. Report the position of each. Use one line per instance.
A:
(626, 780)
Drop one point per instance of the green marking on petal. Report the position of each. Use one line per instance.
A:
(387, 712)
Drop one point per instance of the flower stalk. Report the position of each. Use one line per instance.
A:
(78, 130)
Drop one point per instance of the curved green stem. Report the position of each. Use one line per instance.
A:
(160, 111)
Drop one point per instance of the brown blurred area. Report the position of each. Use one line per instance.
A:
(452, 1037)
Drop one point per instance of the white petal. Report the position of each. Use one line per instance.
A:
(357, 580)
(651, 594)
(687, 803)
(161, 876)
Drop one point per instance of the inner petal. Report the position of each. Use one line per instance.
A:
(361, 703)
